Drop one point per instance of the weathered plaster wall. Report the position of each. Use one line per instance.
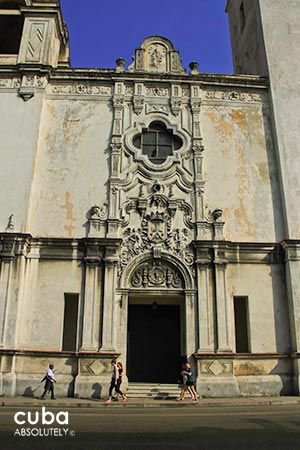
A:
(72, 166)
(240, 171)
(268, 309)
(269, 45)
(280, 20)
(19, 127)
(43, 316)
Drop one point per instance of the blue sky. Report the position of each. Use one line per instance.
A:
(103, 30)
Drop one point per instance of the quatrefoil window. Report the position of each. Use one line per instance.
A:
(157, 142)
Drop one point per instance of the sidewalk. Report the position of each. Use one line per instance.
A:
(146, 403)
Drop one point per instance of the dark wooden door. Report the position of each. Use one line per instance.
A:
(153, 343)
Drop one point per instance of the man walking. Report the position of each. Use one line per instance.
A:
(49, 384)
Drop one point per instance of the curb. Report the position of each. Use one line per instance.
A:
(131, 404)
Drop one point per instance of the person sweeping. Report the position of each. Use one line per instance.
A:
(49, 382)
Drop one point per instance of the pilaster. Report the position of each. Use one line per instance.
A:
(108, 323)
(198, 149)
(223, 307)
(13, 247)
(205, 303)
(5, 275)
(92, 294)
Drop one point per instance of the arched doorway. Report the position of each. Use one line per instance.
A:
(156, 336)
(155, 343)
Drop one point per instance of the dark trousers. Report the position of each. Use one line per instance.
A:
(115, 386)
(49, 387)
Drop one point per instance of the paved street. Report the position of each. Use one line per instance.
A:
(224, 428)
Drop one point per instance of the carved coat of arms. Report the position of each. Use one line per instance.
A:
(157, 227)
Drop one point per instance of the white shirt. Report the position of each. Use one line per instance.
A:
(50, 375)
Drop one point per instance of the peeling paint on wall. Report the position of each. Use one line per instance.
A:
(69, 209)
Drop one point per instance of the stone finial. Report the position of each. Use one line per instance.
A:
(120, 62)
(217, 214)
(194, 66)
(98, 212)
(10, 224)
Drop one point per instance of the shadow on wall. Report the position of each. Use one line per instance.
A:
(281, 312)
(274, 176)
(97, 391)
(29, 392)
(74, 370)
(284, 371)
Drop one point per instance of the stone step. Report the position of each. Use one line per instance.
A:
(152, 390)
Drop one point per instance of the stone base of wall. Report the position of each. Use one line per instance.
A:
(268, 386)
(89, 376)
(247, 376)
(84, 376)
(91, 387)
(218, 387)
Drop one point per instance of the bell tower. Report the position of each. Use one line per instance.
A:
(33, 34)
(265, 38)
(265, 41)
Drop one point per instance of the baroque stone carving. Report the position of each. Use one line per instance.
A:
(81, 89)
(185, 90)
(98, 212)
(129, 90)
(157, 108)
(157, 91)
(213, 216)
(97, 218)
(155, 230)
(176, 104)
(156, 275)
(157, 58)
(233, 96)
(156, 54)
(138, 104)
(11, 83)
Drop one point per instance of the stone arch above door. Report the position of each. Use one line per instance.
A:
(156, 274)
(166, 272)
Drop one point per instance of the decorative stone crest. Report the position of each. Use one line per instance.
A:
(157, 54)
(155, 231)
(156, 275)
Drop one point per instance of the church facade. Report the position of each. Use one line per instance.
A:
(145, 215)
